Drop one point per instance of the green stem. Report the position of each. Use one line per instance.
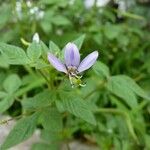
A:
(125, 115)
(30, 71)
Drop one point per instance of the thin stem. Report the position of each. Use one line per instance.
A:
(68, 147)
(30, 71)
(24, 114)
(46, 79)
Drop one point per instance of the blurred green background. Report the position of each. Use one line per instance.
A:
(118, 29)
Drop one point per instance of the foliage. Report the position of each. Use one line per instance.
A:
(112, 109)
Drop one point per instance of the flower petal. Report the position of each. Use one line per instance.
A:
(88, 61)
(56, 63)
(72, 56)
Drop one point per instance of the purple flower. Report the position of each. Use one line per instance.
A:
(72, 65)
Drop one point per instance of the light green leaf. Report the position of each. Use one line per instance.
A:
(14, 55)
(112, 31)
(54, 48)
(49, 2)
(2, 94)
(78, 108)
(3, 62)
(34, 51)
(60, 20)
(46, 26)
(40, 64)
(79, 41)
(21, 131)
(6, 102)
(44, 48)
(12, 83)
(51, 120)
(101, 69)
(118, 86)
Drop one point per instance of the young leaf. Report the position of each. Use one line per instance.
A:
(79, 41)
(13, 54)
(101, 69)
(44, 48)
(34, 51)
(54, 48)
(118, 86)
(12, 83)
(78, 108)
(21, 131)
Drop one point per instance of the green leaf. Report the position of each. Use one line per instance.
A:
(45, 146)
(79, 41)
(101, 69)
(135, 87)
(51, 120)
(54, 48)
(40, 64)
(5, 14)
(6, 102)
(60, 20)
(79, 108)
(12, 83)
(46, 26)
(13, 54)
(51, 136)
(49, 2)
(40, 100)
(118, 86)
(2, 94)
(44, 48)
(3, 62)
(34, 51)
(21, 131)
(112, 31)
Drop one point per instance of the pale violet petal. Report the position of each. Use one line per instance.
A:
(56, 63)
(88, 61)
(72, 56)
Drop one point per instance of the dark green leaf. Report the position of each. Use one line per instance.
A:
(135, 87)
(21, 131)
(51, 119)
(79, 108)
(40, 100)
(45, 146)
(118, 86)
